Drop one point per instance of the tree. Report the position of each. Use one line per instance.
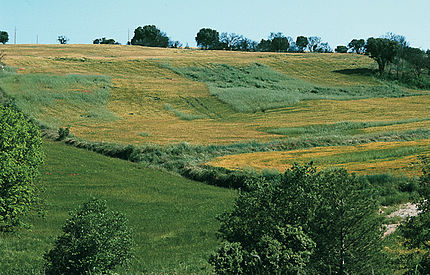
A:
(324, 48)
(324, 220)
(4, 37)
(382, 50)
(230, 41)
(207, 38)
(150, 36)
(416, 58)
(278, 42)
(104, 40)
(313, 43)
(416, 230)
(302, 43)
(94, 240)
(357, 46)
(341, 49)
(62, 39)
(20, 158)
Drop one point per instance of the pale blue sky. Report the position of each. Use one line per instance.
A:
(336, 21)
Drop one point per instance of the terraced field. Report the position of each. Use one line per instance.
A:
(136, 95)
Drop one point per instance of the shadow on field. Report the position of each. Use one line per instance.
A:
(358, 71)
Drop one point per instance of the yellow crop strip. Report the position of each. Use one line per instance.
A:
(332, 157)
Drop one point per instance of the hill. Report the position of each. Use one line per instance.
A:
(173, 219)
(135, 95)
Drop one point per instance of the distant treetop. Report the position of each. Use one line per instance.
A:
(150, 36)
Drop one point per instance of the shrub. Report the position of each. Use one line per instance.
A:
(94, 240)
(63, 133)
(20, 157)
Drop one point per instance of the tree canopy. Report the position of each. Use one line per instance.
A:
(104, 40)
(62, 39)
(94, 240)
(20, 158)
(302, 43)
(382, 50)
(150, 36)
(309, 221)
(208, 38)
(357, 45)
(4, 37)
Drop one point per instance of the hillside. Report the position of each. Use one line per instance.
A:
(173, 219)
(136, 95)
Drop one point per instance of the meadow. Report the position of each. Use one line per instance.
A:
(172, 112)
(173, 219)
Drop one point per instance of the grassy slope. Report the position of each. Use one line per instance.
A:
(142, 86)
(173, 219)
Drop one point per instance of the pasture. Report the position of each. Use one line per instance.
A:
(173, 219)
(181, 108)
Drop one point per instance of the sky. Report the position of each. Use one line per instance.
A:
(335, 21)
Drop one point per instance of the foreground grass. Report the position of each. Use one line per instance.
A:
(173, 219)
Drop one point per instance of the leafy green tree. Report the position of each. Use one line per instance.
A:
(20, 158)
(150, 36)
(357, 45)
(62, 39)
(104, 40)
(341, 49)
(4, 37)
(208, 38)
(302, 43)
(309, 221)
(382, 50)
(94, 240)
(417, 59)
(278, 42)
(417, 229)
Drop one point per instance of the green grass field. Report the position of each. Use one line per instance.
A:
(173, 219)
(184, 107)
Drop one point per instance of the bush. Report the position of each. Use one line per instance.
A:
(20, 157)
(94, 240)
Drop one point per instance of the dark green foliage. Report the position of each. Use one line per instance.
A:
(280, 221)
(62, 39)
(94, 240)
(208, 39)
(63, 133)
(276, 42)
(341, 49)
(382, 50)
(4, 37)
(417, 229)
(20, 158)
(417, 59)
(302, 43)
(357, 45)
(150, 36)
(104, 40)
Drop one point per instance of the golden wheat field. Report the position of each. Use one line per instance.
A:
(142, 86)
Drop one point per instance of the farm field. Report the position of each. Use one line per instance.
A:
(140, 95)
(181, 109)
(173, 219)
